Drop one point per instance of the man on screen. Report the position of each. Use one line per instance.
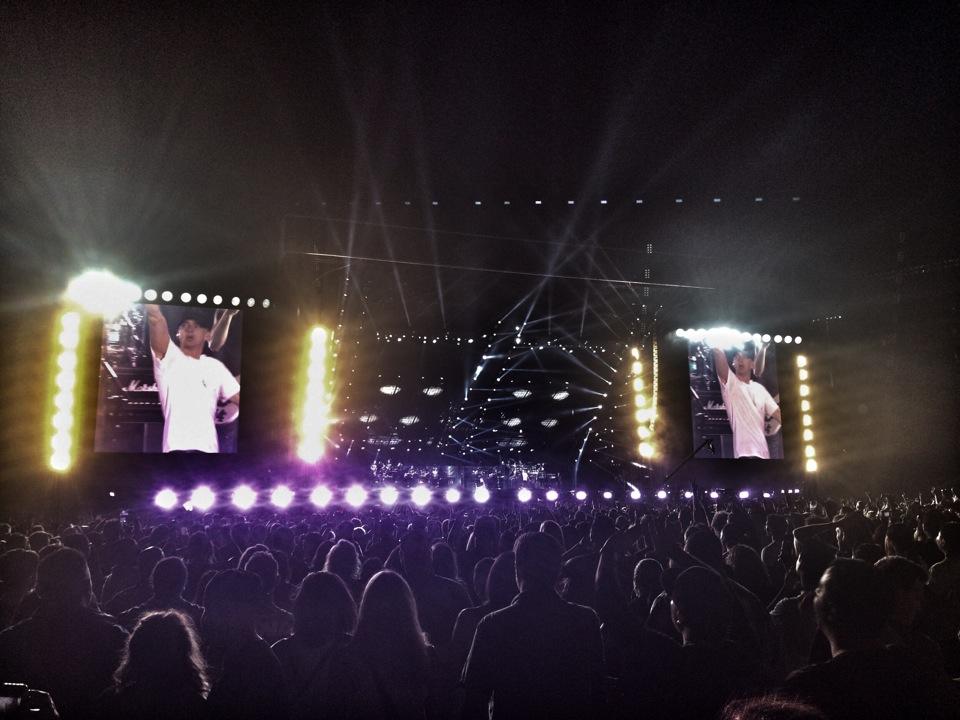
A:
(748, 403)
(190, 383)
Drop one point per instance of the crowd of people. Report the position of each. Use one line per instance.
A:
(786, 607)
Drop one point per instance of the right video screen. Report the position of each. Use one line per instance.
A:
(735, 401)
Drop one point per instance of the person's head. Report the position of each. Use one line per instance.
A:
(63, 578)
(444, 561)
(899, 540)
(776, 527)
(480, 572)
(18, 570)
(39, 540)
(501, 587)
(538, 559)
(163, 653)
(812, 562)
(388, 630)
(77, 541)
(343, 560)
(199, 548)
(553, 529)
(948, 540)
(169, 578)
(323, 609)
(744, 361)
(192, 333)
(125, 553)
(231, 603)
(415, 553)
(264, 566)
(905, 581)
(748, 570)
(600, 530)
(771, 707)
(705, 546)
(851, 604)
(700, 606)
(147, 560)
(646, 577)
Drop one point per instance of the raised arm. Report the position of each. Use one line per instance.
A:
(760, 365)
(220, 329)
(159, 332)
(720, 364)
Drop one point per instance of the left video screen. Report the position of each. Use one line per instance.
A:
(170, 381)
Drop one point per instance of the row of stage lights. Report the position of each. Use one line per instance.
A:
(244, 497)
(201, 299)
(728, 337)
(714, 200)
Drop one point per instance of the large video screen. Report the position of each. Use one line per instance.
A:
(170, 381)
(735, 401)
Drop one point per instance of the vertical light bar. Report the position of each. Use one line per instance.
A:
(314, 412)
(806, 409)
(643, 412)
(62, 417)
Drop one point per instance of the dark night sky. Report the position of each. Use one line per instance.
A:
(170, 143)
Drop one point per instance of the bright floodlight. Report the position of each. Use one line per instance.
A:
(811, 465)
(150, 295)
(235, 301)
(714, 494)
(661, 494)
(646, 450)
(251, 302)
(201, 298)
(244, 497)
(607, 495)
(166, 296)
(452, 496)
(481, 494)
(217, 299)
(552, 495)
(356, 496)
(766, 495)
(166, 499)
(634, 494)
(389, 495)
(765, 337)
(562, 395)
(801, 361)
(100, 292)
(281, 497)
(524, 495)
(580, 495)
(743, 494)
(687, 494)
(777, 338)
(314, 417)
(681, 332)
(421, 495)
(321, 496)
(807, 435)
(185, 297)
(635, 352)
(203, 498)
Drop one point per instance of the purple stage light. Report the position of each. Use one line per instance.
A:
(321, 496)
(524, 495)
(244, 497)
(552, 495)
(421, 495)
(356, 496)
(634, 494)
(481, 494)
(452, 496)
(203, 498)
(661, 494)
(389, 495)
(281, 497)
(607, 495)
(743, 494)
(166, 499)
(714, 494)
(580, 495)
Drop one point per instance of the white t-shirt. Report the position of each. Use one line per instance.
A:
(748, 406)
(189, 390)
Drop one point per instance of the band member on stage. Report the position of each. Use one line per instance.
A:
(189, 383)
(749, 405)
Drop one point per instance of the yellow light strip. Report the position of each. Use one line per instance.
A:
(315, 410)
(809, 449)
(63, 403)
(645, 414)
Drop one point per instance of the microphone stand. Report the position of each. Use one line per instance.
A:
(688, 458)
